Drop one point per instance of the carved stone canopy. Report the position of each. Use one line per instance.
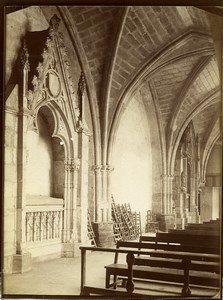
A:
(55, 22)
(35, 42)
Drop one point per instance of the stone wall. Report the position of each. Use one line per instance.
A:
(10, 188)
(17, 24)
(132, 175)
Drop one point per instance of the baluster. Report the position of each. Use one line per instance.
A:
(31, 227)
(27, 221)
(50, 225)
(53, 224)
(44, 225)
(60, 223)
(57, 221)
(47, 225)
(34, 226)
(38, 227)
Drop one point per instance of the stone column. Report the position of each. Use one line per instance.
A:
(164, 194)
(103, 226)
(67, 201)
(22, 259)
(75, 169)
(166, 219)
(170, 194)
(167, 193)
(70, 215)
(82, 198)
(83, 153)
(110, 169)
(70, 236)
(98, 190)
(104, 204)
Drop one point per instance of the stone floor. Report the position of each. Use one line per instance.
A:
(61, 277)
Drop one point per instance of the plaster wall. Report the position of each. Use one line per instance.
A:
(213, 172)
(132, 175)
(210, 198)
(211, 193)
(40, 161)
(155, 132)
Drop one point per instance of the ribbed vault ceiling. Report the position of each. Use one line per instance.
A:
(124, 50)
(169, 47)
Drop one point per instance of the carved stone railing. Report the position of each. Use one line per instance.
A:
(44, 216)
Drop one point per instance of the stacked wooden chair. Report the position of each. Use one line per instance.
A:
(90, 231)
(118, 226)
(127, 225)
(137, 222)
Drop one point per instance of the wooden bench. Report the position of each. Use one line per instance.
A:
(197, 231)
(170, 262)
(189, 239)
(86, 290)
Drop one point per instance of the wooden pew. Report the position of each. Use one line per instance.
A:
(211, 262)
(185, 239)
(171, 263)
(198, 231)
(86, 290)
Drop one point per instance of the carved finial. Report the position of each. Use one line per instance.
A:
(55, 22)
(24, 56)
(81, 84)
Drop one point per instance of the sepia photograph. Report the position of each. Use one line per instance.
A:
(112, 151)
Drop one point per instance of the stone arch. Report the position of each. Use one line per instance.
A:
(209, 100)
(207, 151)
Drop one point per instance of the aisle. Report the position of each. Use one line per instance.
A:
(61, 277)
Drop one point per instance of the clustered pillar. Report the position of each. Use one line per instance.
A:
(103, 226)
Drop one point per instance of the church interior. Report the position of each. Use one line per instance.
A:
(112, 142)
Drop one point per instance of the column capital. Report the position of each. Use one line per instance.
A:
(109, 168)
(103, 168)
(72, 164)
(167, 176)
(97, 168)
(201, 185)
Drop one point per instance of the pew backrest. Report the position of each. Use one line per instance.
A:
(169, 238)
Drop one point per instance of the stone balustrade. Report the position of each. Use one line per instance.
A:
(43, 222)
